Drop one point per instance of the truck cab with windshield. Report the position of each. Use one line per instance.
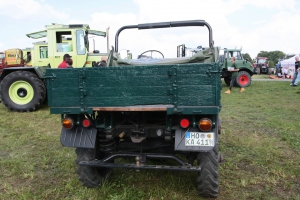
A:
(62, 39)
(245, 67)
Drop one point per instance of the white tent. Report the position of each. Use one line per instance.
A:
(289, 64)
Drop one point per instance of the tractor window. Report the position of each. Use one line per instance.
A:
(44, 52)
(80, 42)
(1, 55)
(64, 41)
(237, 55)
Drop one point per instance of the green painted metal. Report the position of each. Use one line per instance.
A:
(190, 88)
(240, 62)
(21, 92)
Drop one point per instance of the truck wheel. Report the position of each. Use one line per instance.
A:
(91, 177)
(227, 80)
(243, 79)
(208, 178)
(22, 91)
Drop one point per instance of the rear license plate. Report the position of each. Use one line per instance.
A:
(199, 139)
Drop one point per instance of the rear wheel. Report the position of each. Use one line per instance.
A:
(22, 91)
(243, 79)
(208, 178)
(91, 177)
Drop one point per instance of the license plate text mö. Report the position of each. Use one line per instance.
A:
(199, 139)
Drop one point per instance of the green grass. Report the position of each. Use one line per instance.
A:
(259, 141)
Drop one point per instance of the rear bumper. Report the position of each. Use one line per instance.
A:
(140, 162)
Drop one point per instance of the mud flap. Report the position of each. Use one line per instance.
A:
(79, 137)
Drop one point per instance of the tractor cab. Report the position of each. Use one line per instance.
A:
(61, 40)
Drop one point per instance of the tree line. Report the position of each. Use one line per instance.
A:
(272, 56)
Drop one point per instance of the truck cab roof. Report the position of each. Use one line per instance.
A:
(43, 33)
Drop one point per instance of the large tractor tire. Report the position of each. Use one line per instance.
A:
(208, 178)
(227, 80)
(22, 91)
(91, 177)
(243, 79)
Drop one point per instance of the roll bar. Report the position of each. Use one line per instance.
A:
(166, 25)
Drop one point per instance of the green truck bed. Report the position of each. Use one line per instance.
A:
(185, 88)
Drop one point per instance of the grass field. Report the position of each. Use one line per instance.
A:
(259, 141)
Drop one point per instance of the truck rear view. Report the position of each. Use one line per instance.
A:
(140, 110)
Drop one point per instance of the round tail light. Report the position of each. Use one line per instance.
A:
(184, 123)
(205, 124)
(67, 123)
(86, 123)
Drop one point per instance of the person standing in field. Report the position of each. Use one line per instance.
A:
(234, 75)
(296, 73)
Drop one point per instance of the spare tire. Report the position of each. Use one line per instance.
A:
(22, 91)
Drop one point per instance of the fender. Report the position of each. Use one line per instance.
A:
(39, 71)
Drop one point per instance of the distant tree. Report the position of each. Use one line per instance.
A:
(271, 55)
(271, 64)
(263, 54)
(248, 57)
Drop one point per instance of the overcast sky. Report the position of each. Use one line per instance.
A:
(255, 25)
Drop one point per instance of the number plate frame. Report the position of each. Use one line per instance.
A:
(200, 139)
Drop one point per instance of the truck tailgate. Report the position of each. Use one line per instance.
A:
(82, 90)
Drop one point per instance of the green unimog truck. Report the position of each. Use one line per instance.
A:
(140, 110)
(245, 67)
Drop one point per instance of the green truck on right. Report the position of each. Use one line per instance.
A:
(246, 68)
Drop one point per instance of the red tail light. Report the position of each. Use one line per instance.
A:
(67, 123)
(184, 123)
(205, 124)
(86, 123)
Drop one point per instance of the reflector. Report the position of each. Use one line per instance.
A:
(184, 123)
(86, 123)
